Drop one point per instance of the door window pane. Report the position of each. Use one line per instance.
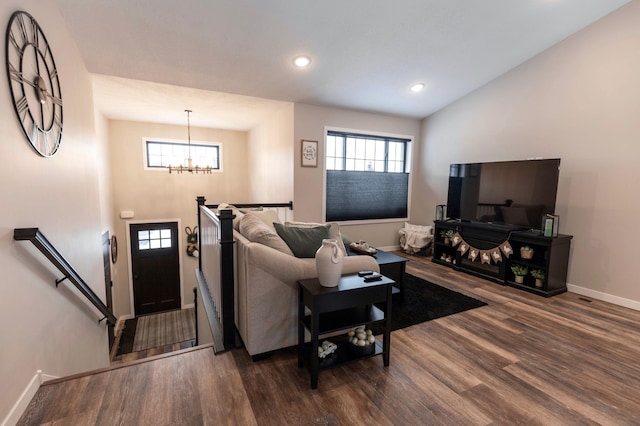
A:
(154, 239)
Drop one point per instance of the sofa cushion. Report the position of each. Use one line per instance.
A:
(236, 212)
(303, 241)
(254, 229)
(334, 231)
(267, 216)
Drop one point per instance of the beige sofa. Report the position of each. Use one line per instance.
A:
(266, 284)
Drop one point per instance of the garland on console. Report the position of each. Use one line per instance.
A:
(486, 256)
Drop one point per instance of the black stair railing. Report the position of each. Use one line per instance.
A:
(40, 241)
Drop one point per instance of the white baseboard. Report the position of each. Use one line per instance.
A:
(25, 398)
(44, 378)
(189, 306)
(605, 297)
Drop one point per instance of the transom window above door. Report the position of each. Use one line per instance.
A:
(162, 154)
(154, 239)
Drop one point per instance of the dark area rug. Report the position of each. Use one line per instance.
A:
(127, 337)
(424, 301)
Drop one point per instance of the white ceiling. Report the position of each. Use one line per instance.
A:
(134, 100)
(365, 53)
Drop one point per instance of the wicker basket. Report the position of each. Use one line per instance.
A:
(526, 253)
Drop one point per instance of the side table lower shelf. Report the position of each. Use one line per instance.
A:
(342, 355)
(338, 309)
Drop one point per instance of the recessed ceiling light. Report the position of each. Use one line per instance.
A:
(416, 88)
(302, 61)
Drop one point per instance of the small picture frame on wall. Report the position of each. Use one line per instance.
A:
(309, 153)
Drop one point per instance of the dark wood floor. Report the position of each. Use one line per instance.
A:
(147, 353)
(522, 359)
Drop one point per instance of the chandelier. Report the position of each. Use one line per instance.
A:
(189, 167)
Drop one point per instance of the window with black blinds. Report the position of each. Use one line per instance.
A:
(367, 177)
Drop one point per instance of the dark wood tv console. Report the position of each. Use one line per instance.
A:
(550, 254)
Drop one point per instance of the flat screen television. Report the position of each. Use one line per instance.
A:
(516, 193)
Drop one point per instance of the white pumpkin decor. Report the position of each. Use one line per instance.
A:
(362, 339)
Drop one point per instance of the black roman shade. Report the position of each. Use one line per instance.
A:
(358, 195)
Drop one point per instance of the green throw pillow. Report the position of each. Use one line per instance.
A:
(303, 242)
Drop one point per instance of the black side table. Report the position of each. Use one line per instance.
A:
(391, 265)
(349, 305)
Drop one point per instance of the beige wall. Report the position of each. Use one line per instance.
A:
(579, 101)
(310, 123)
(155, 195)
(43, 327)
(270, 149)
(104, 172)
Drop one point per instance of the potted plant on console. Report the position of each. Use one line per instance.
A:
(538, 274)
(447, 235)
(519, 271)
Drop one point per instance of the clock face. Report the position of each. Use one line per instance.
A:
(35, 87)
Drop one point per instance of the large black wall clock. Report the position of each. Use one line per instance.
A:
(35, 87)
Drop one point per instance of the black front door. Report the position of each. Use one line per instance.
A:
(155, 265)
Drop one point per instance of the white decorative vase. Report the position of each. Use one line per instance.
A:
(329, 263)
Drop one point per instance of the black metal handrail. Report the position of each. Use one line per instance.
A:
(40, 241)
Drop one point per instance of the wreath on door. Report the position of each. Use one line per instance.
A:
(192, 241)
(114, 249)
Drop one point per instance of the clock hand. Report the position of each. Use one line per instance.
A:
(54, 99)
(43, 93)
(19, 77)
(38, 84)
(29, 83)
(41, 89)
